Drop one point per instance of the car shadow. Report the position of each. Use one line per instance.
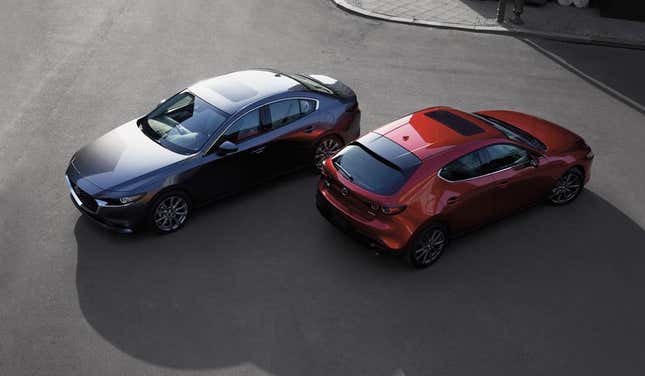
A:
(263, 279)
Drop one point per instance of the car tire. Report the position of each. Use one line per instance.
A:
(325, 148)
(169, 212)
(567, 188)
(427, 246)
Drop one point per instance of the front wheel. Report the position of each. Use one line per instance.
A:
(326, 147)
(169, 212)
(567, 188)
(427, 246)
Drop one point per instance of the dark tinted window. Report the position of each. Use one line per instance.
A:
(501, 156)
(246, 127)
(284, 112)
(368, 171)
(455, 122)
(466, 167)
(390, 151)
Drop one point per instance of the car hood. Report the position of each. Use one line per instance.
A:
(122, 155)
(555, 137)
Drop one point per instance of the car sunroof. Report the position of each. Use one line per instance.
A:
(233, 90)
(454, 122)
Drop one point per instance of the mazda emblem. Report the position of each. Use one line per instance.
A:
(344, 191)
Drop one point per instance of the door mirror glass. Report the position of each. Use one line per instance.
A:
(534, 162)
(227, 147)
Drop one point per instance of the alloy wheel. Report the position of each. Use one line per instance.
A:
(567, 188)
(430, 247)
(325, 149)
(171, 213)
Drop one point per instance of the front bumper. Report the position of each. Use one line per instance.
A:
(122, 219)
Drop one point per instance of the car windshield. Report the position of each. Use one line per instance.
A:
(513, 133)
(183, 123)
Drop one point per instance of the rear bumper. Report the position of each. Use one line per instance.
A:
(377, 234)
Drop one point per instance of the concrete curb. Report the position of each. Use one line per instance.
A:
(599, 41)
(623, 98)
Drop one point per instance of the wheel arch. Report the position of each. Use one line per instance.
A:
(434, 220)
(169, 189)
(580, 168)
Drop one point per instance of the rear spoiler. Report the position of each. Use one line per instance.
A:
(389, 152)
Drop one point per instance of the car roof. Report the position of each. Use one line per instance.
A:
(437, 129)
(234, 91)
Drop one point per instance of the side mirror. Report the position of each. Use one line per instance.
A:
(227, 147)
(534, 162)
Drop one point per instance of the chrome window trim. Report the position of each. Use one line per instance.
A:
(480, 176)
(474, 177)
(207, 149)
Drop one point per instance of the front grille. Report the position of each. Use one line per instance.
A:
(86, 198)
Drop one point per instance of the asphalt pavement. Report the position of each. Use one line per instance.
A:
(261, 284)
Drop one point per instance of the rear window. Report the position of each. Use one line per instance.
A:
(370, 171)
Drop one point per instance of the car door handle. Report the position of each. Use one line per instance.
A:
(309, 129)
(503, 184)
(451, 200)
(259, 150)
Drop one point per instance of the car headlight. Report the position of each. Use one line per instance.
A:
(119, 201)
(129, 199)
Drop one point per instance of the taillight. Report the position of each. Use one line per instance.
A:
(392, 210)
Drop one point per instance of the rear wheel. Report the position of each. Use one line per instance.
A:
(326, 147)
(567, 188)
(427, 246)
(169, 212)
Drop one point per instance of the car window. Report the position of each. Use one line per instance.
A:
(284, 112)
(364, 169)
(499, 157)
(307, 106)
(466, 167)
(183, 123)
(246, 127)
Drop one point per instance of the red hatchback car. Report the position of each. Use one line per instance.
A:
(411, 184)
